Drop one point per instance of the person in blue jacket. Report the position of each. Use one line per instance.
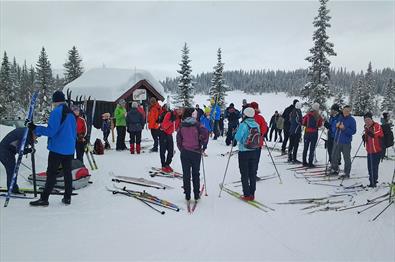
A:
(62, 134)
(215, 116)
(248, 158)
(9, 147)
(344, 129)
(331, 125)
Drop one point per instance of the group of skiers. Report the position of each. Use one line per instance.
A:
(67, 130)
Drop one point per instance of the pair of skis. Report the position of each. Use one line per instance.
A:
(146, 198)
(139, 181)
(191, 208)
(90, 157)
(254, 203)
(160, 173)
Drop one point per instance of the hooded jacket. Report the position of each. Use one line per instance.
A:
(243, 131)
(191, 136)
(134, 120)
(153, 116)
(372, 138)
(344, 136)
(120, 116)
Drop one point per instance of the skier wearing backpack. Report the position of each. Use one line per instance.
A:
(135, 123)
(372, 141)
(286, 116)
(192, 137)
(312, 121)
(9, 147)
(388, 139)
(233, 115)
(170, 123)
(153, 122)
(62, 134)
(81, 133)
(294, 132)
(249, 137)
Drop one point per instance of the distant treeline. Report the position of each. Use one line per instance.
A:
(291, 82)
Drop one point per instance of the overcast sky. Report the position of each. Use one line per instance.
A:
(150, 35)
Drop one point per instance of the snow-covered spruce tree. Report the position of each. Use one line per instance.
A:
(361, 98)
(26, 88)
(5, 86)
(371, 104)
(73, 67)
(389, 97)
(184, 96)
(218, 88)
(339, 99)
(317, 89)
(44, 83)
(15, 103)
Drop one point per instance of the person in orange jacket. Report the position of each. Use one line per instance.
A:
(153, 122)
(170, 123)
(372, 139)
(260, 120)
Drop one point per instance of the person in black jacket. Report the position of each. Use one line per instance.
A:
(9, 147)
(233, 115)
(287, 125)
(135, 123)
(273, 126)
(199, 111)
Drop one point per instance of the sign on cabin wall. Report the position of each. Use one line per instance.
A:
(139, 94)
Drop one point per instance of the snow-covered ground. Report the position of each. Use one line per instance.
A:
(99, 226)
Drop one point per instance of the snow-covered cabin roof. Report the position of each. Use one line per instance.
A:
(108, 84)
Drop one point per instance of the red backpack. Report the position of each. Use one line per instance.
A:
(98, 147)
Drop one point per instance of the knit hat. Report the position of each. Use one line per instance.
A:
(58, 96)
(152, 100)
(295, 101)
(135, 104)
(335, 107)
(207, 110)
(232, 105)
(315, 107)
(121, 102)
(249, 112)
(254, 105)
(298, 105)
(368, 115)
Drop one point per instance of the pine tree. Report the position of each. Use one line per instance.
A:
(15, 103)
(218, 88)
(369, 89)
(44, 82)
(73, 67)
(362, 97)
(185, 94)
(389, 97)
(317, 89)
(339, 99)
(5, 86)
(26, 88)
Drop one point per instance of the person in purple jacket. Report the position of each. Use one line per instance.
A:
(191, 137)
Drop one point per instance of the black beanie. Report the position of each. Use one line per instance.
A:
(335, 107)
(295, 101)
(58, 96)
(368, 115)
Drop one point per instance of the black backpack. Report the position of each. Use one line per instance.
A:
(388, 138)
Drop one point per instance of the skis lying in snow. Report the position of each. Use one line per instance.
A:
(192, 208)
(139, 181)
(159, 172)
(145, 198)
(253, 203)
(301, 167)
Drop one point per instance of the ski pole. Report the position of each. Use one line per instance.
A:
(204, 175)
(226, 168)
(383, 210)
(278, 174)
(373, 205)
(33, 159)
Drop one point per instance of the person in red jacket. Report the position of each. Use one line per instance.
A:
(311, 121)
(260, 120)
(170, 123)
(153, 122)
(81, 133)
(372, 139)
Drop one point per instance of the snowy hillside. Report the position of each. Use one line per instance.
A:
(100, 226)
